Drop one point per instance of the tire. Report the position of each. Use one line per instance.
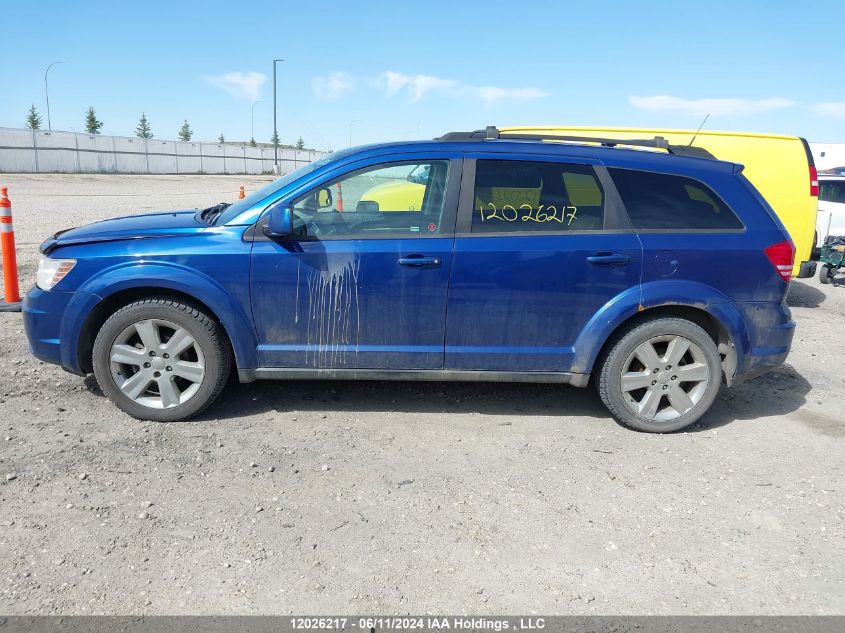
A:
(161, 359)
(697, 373)
(825, 275)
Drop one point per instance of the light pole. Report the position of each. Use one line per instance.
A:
(275, 130)
(47, 94)
(351, 123)
(252, 136)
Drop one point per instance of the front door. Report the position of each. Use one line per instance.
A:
(362, 284)
(538, 251)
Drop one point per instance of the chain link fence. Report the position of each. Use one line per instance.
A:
(40, 151)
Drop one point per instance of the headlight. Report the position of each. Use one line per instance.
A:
(52, 271)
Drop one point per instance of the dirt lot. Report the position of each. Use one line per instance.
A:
(389, 498)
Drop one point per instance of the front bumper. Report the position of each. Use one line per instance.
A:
(52, 321)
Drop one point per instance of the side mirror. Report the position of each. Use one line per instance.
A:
(280, 222)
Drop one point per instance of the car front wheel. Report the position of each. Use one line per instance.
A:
(160, 359)
(660, 376)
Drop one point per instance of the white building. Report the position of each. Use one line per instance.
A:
(828, 155)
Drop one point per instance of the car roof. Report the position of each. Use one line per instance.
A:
(646, 159)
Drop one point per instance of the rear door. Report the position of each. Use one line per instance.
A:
(541, 246)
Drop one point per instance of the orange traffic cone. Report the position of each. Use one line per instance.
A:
(10, 260)
(339, 202)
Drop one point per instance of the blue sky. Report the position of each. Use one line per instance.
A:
(417, 69)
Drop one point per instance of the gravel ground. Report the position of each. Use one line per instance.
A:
(362, 497)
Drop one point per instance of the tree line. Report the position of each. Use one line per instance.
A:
(144, 129)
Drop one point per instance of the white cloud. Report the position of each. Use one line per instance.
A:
(715, 107)
(493, 94)
(392, 82)
(831, 108)
(417, 86)
(332, 86)
(246, 86)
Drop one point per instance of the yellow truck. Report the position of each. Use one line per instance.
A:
(781, 167)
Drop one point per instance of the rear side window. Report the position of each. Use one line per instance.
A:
(832, 191)
(664, 201)
(536, 197)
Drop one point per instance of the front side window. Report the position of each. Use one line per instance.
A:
(536, 197)
(388, 200)
(832, 191)
(670, 202)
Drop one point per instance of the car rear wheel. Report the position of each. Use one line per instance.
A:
(160, 359)
(660, 376)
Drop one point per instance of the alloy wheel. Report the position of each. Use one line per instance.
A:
(664, 378)
(157, 363)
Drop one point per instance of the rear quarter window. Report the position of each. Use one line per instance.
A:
(672, 202)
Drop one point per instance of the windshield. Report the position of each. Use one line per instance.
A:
(254, 198)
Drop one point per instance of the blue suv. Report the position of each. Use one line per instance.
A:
(654, 274)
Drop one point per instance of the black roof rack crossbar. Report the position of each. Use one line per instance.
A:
(491, 133)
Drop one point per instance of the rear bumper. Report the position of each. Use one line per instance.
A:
(806, 269)
(770, 329)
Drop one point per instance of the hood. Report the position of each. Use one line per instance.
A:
(132, 227)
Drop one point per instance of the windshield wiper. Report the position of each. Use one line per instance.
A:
(211, 213)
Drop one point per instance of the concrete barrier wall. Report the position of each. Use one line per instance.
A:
(39, 151)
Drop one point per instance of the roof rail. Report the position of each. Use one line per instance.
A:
(491, 133)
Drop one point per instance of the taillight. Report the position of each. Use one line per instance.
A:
(814, 182)
(782, 256)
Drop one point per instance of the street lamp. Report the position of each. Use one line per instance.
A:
(252, 136)
(47, 93)
(275, 130)
(351, 123)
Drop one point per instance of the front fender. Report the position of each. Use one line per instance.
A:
(657, 294)
(168, 276)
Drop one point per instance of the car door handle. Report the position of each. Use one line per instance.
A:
(420, 261)
(604, 258)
